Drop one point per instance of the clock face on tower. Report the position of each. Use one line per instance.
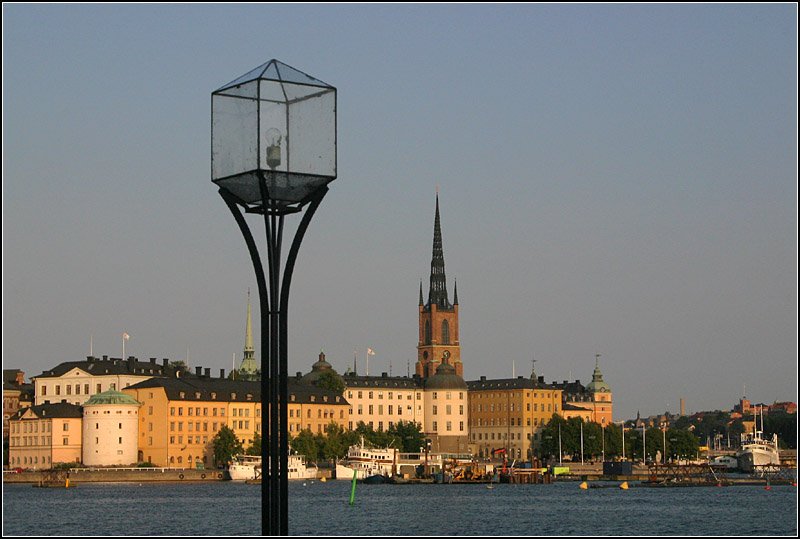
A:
(446, 354)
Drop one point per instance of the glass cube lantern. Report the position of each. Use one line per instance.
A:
(277, 124)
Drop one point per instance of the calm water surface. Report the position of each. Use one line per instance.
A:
(316, 508)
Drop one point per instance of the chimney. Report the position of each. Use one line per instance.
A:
(208, 373)
(152, 361)
(105, 358)
(683, 407)
(483, 378)
(541, 379)
(165, 362)
(384, 375)
(198, 371)
(89, 358)
(131, 363)
(222, 373)
(298, 375)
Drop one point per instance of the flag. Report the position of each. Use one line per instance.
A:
(370, 351)
(126, 336)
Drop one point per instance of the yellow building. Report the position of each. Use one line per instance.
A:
(179, 417)
(45, 435)
(509, 414)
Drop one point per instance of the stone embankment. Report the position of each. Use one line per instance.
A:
(118, 475)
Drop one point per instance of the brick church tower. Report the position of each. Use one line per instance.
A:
(438, 318)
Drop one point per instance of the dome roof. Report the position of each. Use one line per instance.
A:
(445, 378)
(318, 368)
(111, 396)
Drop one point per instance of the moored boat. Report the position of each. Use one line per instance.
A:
(248, 468)
(366, 461)
(756, 452)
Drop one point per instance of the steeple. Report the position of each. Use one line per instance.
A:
(455, 292)
(597, 383)
(437, 293)
(421, 301)
(249, 366)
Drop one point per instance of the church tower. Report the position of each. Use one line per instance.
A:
(438, 318)
(249, 368)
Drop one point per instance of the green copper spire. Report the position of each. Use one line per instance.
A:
(597, 383)
(249, 366)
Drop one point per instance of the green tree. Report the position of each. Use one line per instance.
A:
(331, 381)
(226, 445)
(305, 443)
(255, 447)
(407, 436)
(178, 364)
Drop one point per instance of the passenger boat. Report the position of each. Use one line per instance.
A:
(366, 461)
(248, 467)
(756, 452)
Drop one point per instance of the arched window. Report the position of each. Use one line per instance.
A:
(445, 332)
(427, 332)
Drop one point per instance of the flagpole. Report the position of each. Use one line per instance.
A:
(91, 346)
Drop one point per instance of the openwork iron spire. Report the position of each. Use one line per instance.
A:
(437, 293)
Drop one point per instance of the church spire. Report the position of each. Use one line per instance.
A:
(437, 293)
(248, 366)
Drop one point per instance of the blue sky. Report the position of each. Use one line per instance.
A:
(614, 179)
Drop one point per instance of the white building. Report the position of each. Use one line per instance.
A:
(110, 429)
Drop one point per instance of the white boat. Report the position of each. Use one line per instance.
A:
(756, 452)
(248, 467)
(726, 462)
(367, 461)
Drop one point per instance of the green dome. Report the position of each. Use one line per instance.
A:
(112, 396)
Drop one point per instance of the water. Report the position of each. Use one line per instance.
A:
(181, 509)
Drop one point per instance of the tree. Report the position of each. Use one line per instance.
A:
(331, 381)
(407, 435)
(179, 364)
(255, 447)
(305, 443)
(226, 445)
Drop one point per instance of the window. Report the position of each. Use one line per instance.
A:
(434, 410)
(99, 388)
(44, 390)
(66, 427)
(69, 389)
(77, 389)
(445, 332)
(427, 332)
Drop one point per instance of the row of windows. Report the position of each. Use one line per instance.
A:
(24, 461)
(390, 394)
(504, 407)
(68, 388)
(481, 422)
(448, 426)
(391, 409)
(195, 411)
(448, 409)
(34, 441)
(191, 440)
(484, 394)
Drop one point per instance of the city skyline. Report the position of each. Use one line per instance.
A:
(614, 180)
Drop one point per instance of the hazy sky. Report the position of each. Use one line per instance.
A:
(614, 179)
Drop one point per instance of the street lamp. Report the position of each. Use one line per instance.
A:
(273, 151)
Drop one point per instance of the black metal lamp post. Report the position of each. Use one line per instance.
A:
(273, 151)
